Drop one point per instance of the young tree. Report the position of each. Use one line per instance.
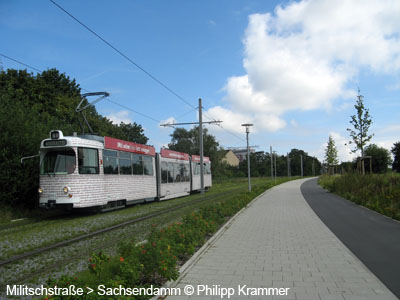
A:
(396, 154)
(361, 122)
(331, 153)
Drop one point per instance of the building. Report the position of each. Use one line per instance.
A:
(230, 158)
(241, 153)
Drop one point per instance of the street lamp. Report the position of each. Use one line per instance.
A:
(248, 152)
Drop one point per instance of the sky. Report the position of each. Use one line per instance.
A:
(291, 68)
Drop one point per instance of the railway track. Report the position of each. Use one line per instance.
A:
(52, 267)
(114, 227)
(110, 242)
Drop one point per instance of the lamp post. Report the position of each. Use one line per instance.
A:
(248, 152)
(274, 152)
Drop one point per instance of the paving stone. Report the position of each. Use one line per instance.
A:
(278, 241)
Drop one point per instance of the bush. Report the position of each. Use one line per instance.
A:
(156, 260)
(380, 158)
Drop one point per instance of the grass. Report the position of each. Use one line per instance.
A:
(139, 266)
(26, 237)
(74, 257)
(379, 192)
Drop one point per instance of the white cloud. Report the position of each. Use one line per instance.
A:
(121, 116)
(387, 136)
(387, 144)
(170, 120)
(342, 145)
(230, 120)
(304, 56)
(344, 149)
(392, 128)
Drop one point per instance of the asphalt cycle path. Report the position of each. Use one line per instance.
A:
(372, 237)
(278, 242)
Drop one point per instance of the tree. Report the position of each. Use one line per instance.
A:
(31, 106)
(187, 141)
(361, 122)
(261, 164)
(130, 132)
(396, 154)
(331, 152)
(380, 158)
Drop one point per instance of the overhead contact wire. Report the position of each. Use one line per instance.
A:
(21, 63)
(124, 56)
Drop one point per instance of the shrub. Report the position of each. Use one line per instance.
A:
(378, 192)
(156, 260)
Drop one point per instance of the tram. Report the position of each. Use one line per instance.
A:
(90, 171)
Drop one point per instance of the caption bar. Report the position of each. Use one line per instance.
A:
(188, 290)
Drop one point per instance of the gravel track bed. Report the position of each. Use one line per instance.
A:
(17, 240)
(74, 258)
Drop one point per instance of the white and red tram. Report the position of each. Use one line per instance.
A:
(102, 172)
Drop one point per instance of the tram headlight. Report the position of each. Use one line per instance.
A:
(66, 189)
(40, 190)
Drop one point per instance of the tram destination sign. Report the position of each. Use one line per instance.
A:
(174, 154)
(196, 158)
(115, 144)
(53, 143)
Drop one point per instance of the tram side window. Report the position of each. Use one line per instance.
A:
(110, 162)
(125, 166)
(182, 172)
(197, 169)
(147, 165)
(177, 175)
(170, 172)
(137, 164)
(88, 161)
(187, 172)
(164, 172)
(207, 169)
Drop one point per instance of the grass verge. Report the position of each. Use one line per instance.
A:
(25, 237)
(152, 263)
(379, 192)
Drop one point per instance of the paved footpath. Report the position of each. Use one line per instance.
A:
(279, 242)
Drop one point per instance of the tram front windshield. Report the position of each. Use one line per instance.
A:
(60, 161)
